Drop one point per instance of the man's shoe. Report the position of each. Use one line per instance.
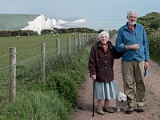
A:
(108, 109)
(100, 111)
(139, 109)
(129, 110)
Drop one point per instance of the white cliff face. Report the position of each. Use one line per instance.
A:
(80, 21)
(41, 23)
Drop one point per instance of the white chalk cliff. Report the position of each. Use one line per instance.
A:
(41, 23)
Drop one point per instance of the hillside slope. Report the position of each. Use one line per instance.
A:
(15, 21)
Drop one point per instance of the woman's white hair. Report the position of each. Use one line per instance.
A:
(132, 11)
(103, 32)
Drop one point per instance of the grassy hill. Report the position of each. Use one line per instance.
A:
(15, 21)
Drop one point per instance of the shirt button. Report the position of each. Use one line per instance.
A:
(105, 61)
(106, 67)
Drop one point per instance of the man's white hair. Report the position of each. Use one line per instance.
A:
(132, 11)
(103, 32)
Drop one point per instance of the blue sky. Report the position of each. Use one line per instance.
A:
(91, 10)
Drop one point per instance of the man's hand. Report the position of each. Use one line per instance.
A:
(146, 64)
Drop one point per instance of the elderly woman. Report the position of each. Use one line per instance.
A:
(100, 65)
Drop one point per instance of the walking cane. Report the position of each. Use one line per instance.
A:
(93, 97)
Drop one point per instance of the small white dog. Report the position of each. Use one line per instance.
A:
(121, 101)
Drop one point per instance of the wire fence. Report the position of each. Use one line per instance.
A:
(22, 71)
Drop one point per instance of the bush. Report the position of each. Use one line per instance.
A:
(64, 85)
(154, 46)
(37, 106)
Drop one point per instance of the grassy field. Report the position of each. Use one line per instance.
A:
(30, 44)
(28, 56)
(36, 99)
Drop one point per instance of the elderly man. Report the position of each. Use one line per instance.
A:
(133, 42)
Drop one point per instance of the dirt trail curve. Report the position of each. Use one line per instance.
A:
(152, 108)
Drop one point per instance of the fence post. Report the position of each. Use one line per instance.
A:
(84, 38)
(57, 47)
(12, 71)
(43, 54)
(68, 46)
(88, 37)
(79, 42)
(75, 43)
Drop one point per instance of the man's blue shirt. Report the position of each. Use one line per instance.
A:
(126, 37)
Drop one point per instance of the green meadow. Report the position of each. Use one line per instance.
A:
(51, 99)
(28, 46)
(28, 42)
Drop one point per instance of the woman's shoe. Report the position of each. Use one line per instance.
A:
(108, 109)
(100, 111)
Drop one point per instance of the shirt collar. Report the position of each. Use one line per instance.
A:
(108, 42)
(126, 26)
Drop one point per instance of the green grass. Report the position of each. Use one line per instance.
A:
(63, 76)
(54, 98)
(28, 46)
(28, 42)
(37, 105)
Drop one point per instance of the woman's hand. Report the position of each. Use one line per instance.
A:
(135, 46)
(132, 47)
(93, 77)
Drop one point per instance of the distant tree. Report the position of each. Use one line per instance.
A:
(155, 24)
(150, 21)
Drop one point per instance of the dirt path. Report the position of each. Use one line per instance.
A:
(152, 109)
